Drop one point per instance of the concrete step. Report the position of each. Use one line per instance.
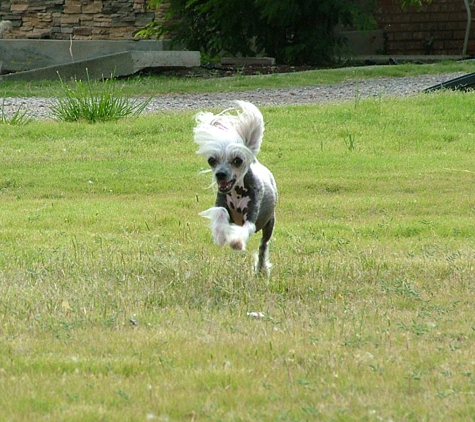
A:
(113, 65)
(25, 54)
(248, 61)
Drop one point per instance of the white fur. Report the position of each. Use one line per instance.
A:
(215, 133)
(266, 265)
(225, 232)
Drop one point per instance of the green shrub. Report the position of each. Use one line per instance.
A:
(95, 101)
(292, 31)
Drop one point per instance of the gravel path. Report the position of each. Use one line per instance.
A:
(39, 108)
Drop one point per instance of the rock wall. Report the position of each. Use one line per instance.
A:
(77, 19)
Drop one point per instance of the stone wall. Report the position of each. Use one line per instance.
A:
(436, 28)
(77, 19)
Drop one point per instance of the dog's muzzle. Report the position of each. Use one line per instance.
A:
(225, 187)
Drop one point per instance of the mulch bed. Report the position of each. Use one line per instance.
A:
(216, 71)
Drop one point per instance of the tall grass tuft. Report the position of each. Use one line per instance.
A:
(19, 117)
(95, 101)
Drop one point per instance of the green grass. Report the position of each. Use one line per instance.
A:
(368, 311)
(19, 117)
(159, 85)
(95, 101)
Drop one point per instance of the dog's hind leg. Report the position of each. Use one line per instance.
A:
(262, 264)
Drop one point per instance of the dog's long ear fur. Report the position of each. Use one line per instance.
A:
(246, 126)
(250, 125)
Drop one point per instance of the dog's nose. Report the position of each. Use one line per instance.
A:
(220, 175)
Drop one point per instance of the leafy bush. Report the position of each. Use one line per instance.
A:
(292, 31)
(95, 101)
(302, 32)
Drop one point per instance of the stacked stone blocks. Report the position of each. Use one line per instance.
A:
(77, 19)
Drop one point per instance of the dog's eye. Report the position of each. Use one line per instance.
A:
(212, 161)
(237, 161)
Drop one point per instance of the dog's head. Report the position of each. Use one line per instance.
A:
(230, 142)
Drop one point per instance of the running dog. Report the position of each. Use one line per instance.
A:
(247, 192)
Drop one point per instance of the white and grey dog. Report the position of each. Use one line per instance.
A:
(247, 193)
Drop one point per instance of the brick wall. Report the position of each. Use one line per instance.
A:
(436, 28)
(76, 19)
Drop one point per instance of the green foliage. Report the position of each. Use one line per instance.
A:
(95, 101)
(292, 31)
(297, 32)
(414, 3)
(362, 15)
(151, 30)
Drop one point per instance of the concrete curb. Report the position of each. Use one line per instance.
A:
(120, 64)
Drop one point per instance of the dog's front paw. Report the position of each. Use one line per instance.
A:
(219, 223)
(237, 237)
(237, 244)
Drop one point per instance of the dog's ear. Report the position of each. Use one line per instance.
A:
(250, 126)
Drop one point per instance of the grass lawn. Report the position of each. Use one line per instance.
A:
(116, 305)
(158, 85)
